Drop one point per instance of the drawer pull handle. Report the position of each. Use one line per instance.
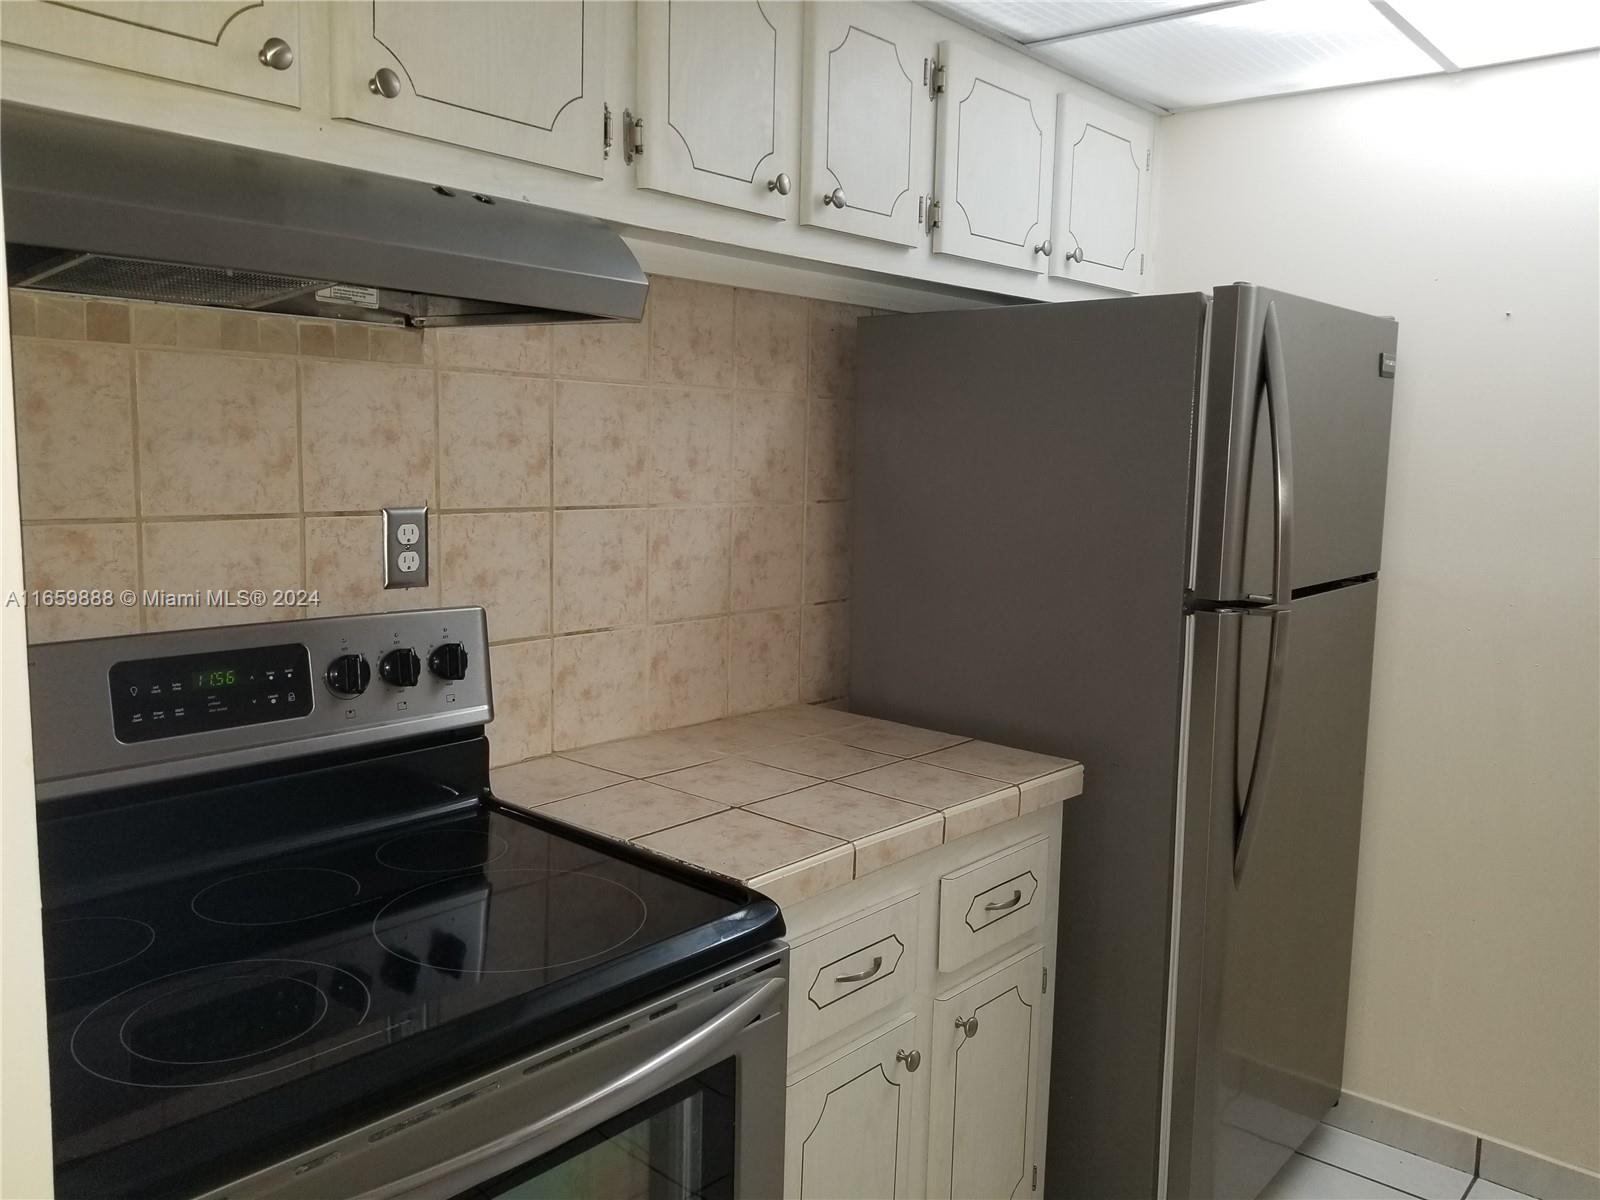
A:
(911, 1058)
(859, 976)
(1003, 905)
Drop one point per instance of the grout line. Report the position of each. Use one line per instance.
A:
(138, 486)
(1358, 1174)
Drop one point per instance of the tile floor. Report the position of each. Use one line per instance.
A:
(1337, 1165)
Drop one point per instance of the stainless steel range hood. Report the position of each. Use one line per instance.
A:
(114, 210)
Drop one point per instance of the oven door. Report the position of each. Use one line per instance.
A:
(682, 1098)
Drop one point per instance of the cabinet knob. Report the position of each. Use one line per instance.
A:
(1043, 248)
(385, 83)
(969, 1026)
(1073, 256)
(911, 1058)
(779, 185)
(835, 198)
(277, 54)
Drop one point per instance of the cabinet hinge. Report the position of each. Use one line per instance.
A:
(932, 218)
(1044, 982)
(605, 131)
(632, 136)
(934, 77)
(1141, 264)
(1035, 1177)
(1147, 160)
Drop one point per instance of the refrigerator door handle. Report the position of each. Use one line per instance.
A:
(1247, 813)
(1276, 378)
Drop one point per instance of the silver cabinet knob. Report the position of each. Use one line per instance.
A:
(1073, 256)
(1043, 248)
(385, 83)
(779, 185)
(911, 1058)
(835, 198)
(277, 54)
(969, 1026)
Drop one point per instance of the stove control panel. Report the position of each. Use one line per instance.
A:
(193, 693)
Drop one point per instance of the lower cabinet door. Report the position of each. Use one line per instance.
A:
(848, 1125)
(985, 1044)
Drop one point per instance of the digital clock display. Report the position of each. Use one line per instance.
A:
(216, 677)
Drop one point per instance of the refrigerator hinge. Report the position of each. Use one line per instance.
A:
(605, 131)
(933, 215)
(934, 76)
(1044, 981)
(1035, 1177)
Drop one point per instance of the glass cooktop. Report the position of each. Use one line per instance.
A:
(203, 1022)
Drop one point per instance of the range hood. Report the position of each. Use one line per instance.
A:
(103, 209)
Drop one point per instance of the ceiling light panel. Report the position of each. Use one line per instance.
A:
(1264, 49)
(1037, 20)
(1475, 33)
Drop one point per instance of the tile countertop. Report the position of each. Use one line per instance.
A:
(793, 801)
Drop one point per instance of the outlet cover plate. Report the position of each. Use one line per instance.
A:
(405, 546)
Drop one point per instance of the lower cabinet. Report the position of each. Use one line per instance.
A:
(848, 1127)
(985, 1041)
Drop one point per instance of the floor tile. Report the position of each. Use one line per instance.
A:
(1409, 1172)
(1482, 1189)
(1305, 1178)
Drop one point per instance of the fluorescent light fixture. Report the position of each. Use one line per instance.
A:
(1039, 20)
(1475, 33)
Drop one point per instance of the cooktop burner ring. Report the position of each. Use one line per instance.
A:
(141, 931)
(322, 1011)
(309, 880)
(493, 848)
(493, 877)
(82, 1034)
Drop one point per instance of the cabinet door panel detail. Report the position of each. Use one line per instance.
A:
(1101, 195)
(869, 93)
(202, 21)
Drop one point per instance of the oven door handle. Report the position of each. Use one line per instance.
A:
(611, 1098)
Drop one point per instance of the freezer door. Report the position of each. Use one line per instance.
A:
(1268, 885)
(1294, 452)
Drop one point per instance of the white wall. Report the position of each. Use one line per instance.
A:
(1465, 206)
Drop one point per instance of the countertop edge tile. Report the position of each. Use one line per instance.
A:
(1054, 788)
(808, 877)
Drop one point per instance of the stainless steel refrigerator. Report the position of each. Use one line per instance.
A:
(1145, 533)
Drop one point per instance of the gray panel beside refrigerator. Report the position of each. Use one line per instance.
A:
(1067, 536)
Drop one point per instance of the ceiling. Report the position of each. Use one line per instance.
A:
(1180, 54)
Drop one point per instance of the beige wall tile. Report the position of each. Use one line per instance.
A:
(521, 348)
(316, 338)
(200, 328)
(240, 331)
(107, 321)
(494, 441)
(602, 433)
(830, 449)
(22, 314)
(218, 434)
(833, 348)
(769, 447)
(688, 562)
(279, 335)
(521, 725)
(94, 557)
(396, 345)
(184, 556)
(770, 339)
(351, 341)
(600, 568)
(691, 332)
(690, 430)
(501, 561)
(60, 317)
(824, 651)
(74, 430)
(764, 660)
(155, 325)
(688, 672)
(602, 687)
(344, 566)
(616, 352)
(827, 552)
(366, 435)
(766, 557)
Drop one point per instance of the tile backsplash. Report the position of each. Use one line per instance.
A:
(655, 516)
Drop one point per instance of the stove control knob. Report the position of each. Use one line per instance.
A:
(400, 668)
(348, 675)
(449, 661)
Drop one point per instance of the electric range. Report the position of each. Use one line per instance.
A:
(294, 945)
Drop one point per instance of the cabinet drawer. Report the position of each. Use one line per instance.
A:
(851, 970)
(992, 902)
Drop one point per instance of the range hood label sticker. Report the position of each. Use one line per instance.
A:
(349, 293)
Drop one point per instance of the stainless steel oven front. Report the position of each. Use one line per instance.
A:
(678, 1099)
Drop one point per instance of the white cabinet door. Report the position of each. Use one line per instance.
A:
(848, 1124)
(984, 1083)
(1102, 195)
(222, 44)
(867, 141)
(995, 145)
(522, 80)
(718, 85)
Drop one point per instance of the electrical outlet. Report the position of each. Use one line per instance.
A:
(405, 547)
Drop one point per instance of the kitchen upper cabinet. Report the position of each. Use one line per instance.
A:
(848, 1124)
(718, 85)
(1102, 196)
(247, 47)
(867, 139)
(995, 145)
(522, 80)
(985, 1064)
